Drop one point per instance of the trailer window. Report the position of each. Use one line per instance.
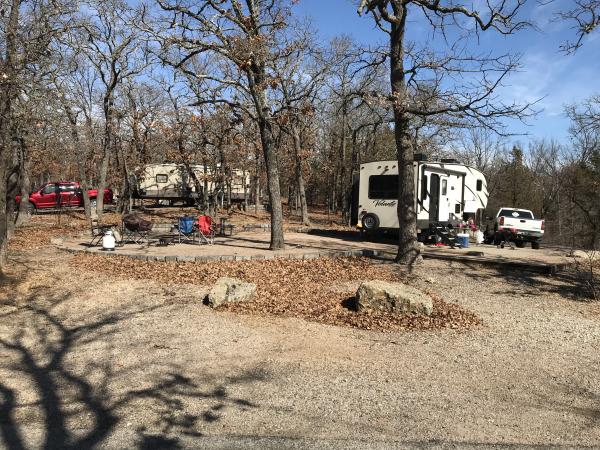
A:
(383, 187)
(479, 185)
(162, 178)
(444, 187)
(424, 187)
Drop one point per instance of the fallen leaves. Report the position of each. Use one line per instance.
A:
(40, 229)
(315, 290)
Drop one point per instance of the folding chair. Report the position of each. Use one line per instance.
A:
(135, 229)
(187, 230)
(206, 229)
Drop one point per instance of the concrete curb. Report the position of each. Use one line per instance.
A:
(216, 258)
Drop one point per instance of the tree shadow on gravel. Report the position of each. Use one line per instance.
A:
(79, 407)
(570, 397)
(528, 283)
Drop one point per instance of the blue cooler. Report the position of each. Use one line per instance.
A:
(463, 239)
(186, 224)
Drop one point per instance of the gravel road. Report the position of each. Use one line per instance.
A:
(89, 361)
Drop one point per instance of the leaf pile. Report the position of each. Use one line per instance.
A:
(291, 288)
(40, 229)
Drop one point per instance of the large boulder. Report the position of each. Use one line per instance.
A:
(230, 290)
(392, 297)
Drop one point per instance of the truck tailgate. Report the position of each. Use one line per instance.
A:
(523, 224)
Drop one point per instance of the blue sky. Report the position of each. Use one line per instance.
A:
(547, 73)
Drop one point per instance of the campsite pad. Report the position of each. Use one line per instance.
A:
(255, 245)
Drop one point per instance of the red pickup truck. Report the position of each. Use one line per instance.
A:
(71, 195)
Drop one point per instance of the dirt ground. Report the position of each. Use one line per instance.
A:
(93, 359)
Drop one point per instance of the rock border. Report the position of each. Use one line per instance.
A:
(216, 258)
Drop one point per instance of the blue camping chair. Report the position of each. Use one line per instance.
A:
(187, 230)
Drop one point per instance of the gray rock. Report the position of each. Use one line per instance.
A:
(586, 255)
(228, 290)
(392, 297)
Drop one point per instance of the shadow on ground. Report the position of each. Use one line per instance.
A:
(571, 284)
(76, 406)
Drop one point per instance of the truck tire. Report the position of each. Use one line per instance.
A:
(520, 244)
(535, 245)
(31, 210)
(370, 222)
(93, 203)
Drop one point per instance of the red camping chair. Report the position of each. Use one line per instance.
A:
(206, 229)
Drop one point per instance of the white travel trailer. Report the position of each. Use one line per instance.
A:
(447, 193)
(172, 182)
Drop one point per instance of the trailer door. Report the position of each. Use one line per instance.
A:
(444, 202)
(434, 198)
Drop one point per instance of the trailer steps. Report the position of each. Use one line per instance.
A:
(442, 233)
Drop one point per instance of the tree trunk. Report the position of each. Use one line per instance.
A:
(106, 149)
(245, 186)
(300, 177)
(266, 137)
(257, 184)
(256, 81)
(81, 158)
(343, 151)
(205, 197)
(3, 218)
(228, 185)
(354, 171)
(12, 191)
(25, 184)
(7, 94)
(332, 195)
(109, 138)
(408, 250)
(124, 206)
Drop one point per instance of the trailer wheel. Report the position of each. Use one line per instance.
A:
(370, 222)
(535, 245)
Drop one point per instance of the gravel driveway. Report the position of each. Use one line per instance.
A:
(89, 361)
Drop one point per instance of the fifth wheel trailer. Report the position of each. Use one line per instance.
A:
(446, 193)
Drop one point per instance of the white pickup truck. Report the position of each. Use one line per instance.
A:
(516, 225)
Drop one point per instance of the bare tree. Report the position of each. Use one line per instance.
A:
(583, 171)
(426, 83)
(26, 30)
(242, 37)
(109, 40)
(585, 16)
(299, 81)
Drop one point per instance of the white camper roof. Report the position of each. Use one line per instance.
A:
(393, 164)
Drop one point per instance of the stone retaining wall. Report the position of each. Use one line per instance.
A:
(214, 258)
